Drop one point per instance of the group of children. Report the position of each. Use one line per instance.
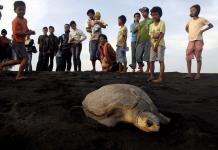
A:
(147, 43)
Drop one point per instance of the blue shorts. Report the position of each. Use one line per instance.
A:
(20, 50)
(121, 55)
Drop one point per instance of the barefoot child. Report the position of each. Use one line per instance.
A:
(157, 31)
(20, 31)
(143, 40)
(121, 44)
(134, 32)
(195, 30)
(107, 54)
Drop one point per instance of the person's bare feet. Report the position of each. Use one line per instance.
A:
(197, 77)
(21, 78)
(140, 70)
(159, 80)
(147, 71)
(188, 76)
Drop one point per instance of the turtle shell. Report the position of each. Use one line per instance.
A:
(103, 101)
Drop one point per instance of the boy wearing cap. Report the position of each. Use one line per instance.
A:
(143, 40)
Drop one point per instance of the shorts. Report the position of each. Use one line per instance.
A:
(20, 50)
(94, 50)
(121, 55)
(194, 49)
(157, 56)
(143, 52)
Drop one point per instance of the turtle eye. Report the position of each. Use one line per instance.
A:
(149, 123)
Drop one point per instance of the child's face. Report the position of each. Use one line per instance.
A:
(73, 26)
(120, 23)
(97, 17)
(51, 30)
(102, 40)
(193, 12)
(45, 31)
(145, 14)
(20, 10)
(137, 18)
(155, 16)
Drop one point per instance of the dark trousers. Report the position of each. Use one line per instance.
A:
(66, 61)
(76, 51)
(40, 62)
(49, 61)
(58, 63)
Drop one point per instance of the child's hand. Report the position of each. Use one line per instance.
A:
(201, 32)
(33, 32)
(155, 48)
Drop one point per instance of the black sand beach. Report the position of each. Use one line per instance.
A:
(39, 113)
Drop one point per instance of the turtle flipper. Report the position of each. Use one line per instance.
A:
(163, 119)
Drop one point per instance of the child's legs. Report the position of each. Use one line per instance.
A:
(153, 58)
(152, 68)
(161, 53)
(162, 68)
(190, 55)
(133, 48)
(198, 54)
(139, 54)
(146, 56)
(10, 63)
(23, 65)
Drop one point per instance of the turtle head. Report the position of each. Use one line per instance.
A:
(148, 122)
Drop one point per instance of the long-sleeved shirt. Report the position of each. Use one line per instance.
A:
(76, 35)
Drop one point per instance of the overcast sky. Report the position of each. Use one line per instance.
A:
(42, 13)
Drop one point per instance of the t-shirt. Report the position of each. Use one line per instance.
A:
(194, 28)
(19, 25)
(144, 30)
(122, 37)
(133, 26)
(154, 32)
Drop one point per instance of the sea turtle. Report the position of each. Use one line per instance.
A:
(123, 103)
